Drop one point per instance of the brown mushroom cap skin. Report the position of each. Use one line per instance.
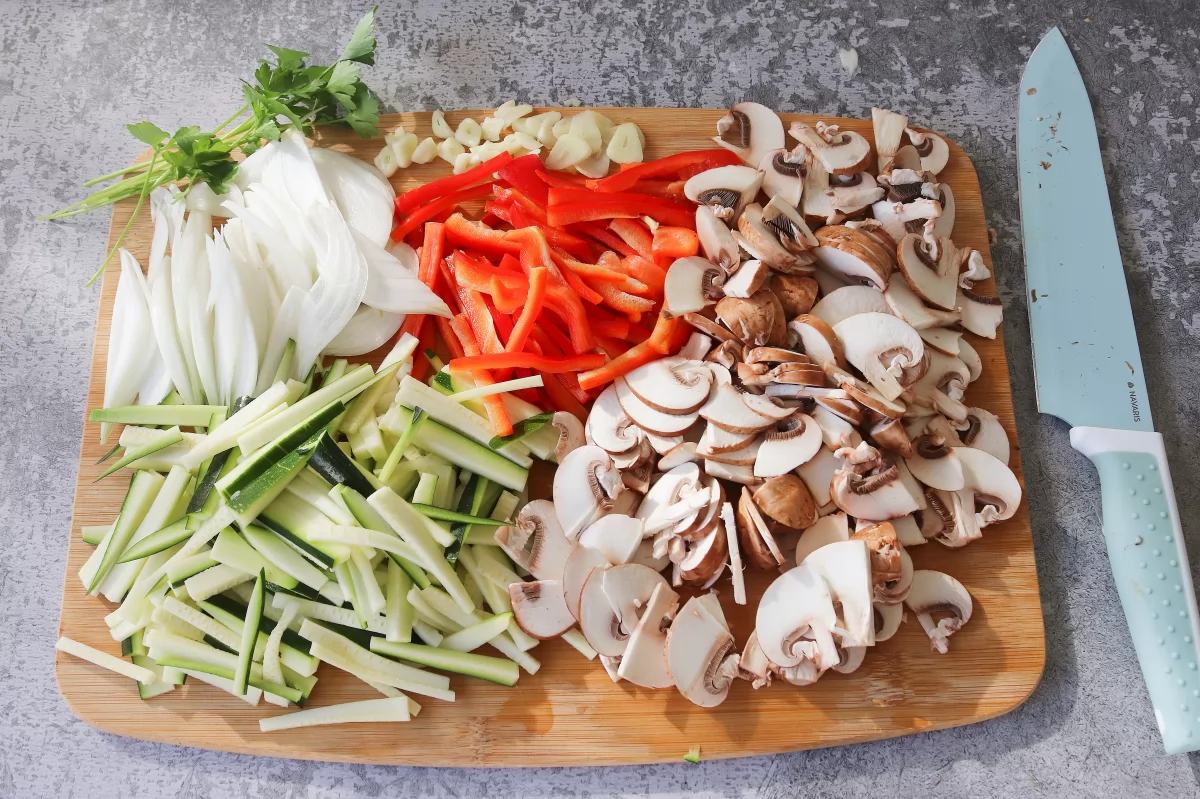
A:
(796, 293)
(754, 549)
(884, 547)
(786, 500)
(756, 320)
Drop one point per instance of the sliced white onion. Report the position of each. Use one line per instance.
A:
(287, 320)
(368, 330)
(361, 192)
(235, 352)
(130, 342)
(393, 287)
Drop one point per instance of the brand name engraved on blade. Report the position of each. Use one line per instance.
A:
(1133, 404)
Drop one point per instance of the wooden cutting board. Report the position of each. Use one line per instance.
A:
(570, 713)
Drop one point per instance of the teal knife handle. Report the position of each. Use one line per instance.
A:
(1149, 562)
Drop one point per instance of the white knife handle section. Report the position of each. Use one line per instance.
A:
(1150, 565)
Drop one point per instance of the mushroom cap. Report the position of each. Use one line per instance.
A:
(817, 338)
(796, 604)
(536, 542)
(764, 241)
(935, 592)
(904, 303)
(796, 293)
(981, 314)
(648, 418)
(992, 482)
(878, 497)
(570, 434)
(673, 385)
(705, 558)
(716, 242)
(883, 546)
(846, 569)
(849, 152)
(616, 536)
(747, 280)
(576, 572)
(936, 464)
(884, 348)
(691, 284)
(755, 320)
(724, 189)
(751, 130)
(727, 409)
(787, 500)
(540, 608)
(783, 174)
(709, 327)
(585, 484)
(786, 445)
(887, 620)
(851, 658)
(609, 427)
(889, 435)
(644, 661)
(826, 530)
(598, 620)
(935, 282)
(850, 301)
(757, 544)
(942, 386)
(982, 430)
(932, 148)
(697, 647)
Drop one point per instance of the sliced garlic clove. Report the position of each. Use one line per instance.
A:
(441, 128)
(568, 151)
(450, 149)
(425, 152)
(469, 133)
(595, 166)
(493, 128)
(625, 147)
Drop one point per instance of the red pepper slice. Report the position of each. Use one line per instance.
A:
(410, 200)
(497, 415)
(605, 325)
(598, 271)
(496, 210)
(563, 294)
(562, 180)
(675, 242)
(445, 329)
(426, 212)
(603, 236)
(667, 189)
(427, 270)
(660, 210)
(646, 271)
(622, 301)
(666, 336)
(539, 279)
(524, 175)
(625, 363)
(482, 324)
(612, 347)
(671, 166)
(638, 333)
(558, 238)
(478, 236)
(635, 234)
(507, 194)
(541, 363)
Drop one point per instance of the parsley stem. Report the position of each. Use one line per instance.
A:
(236, 114)
(129, 224)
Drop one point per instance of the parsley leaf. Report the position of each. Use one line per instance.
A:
(362, 43)
(148, 133)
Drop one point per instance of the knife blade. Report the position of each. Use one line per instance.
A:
(1088, 370)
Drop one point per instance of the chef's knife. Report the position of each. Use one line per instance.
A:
(1089, 373)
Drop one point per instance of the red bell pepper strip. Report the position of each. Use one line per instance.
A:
(524, 175)
(504, 330)
(563, 389)
(667, 189)
(448, 203)
(420, 367)
(612, 347)
(646, 271)
(666, 335)
(671, 166)
(603, 324)
(638, 333)
(507, 194)
(539, 279)
(662, 211)
(675, 242)
(498, 211)
(446, 331)
(635, 234)
(410, 200)
(623, 301)
(604, 236)
(562, 180)
(600, 271)
(631, 359)
(563, 294)
(547, 365)
(477, 236)
(497, 415)
(427, 270)
(482, 324)
(580, 248)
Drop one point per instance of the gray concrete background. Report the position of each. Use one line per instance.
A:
(72, 73)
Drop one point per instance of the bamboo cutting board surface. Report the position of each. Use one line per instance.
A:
(570, 713)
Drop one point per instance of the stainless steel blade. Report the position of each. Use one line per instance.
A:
(1086, 357)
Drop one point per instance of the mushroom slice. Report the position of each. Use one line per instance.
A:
(747, 280)
(645, 557)
(570, 434)
(934, 592)
(765, 406)
(935, 464)
(904, 303)
(889, 435)
(908, 531)
(850, 301)
(817, 475)
(795, 620)
(775, 355)
(753, 664)
(629, 587)
(698, 654)
(611, 665)
(883, 545)
(981, 314)
(786, 500)
(786, 445)
(850, 194)
(900, 218)
(815, 204)
(760, 547)
(598, 620)
(982, 430)
(932, 148)
(755, 320)
(941, 387)
(715, 441)
(615, 536)
(536, 542)
(716, 242)
(887, 620)
(743, 475)
(765, 241)
(725, 189)
(838, 402)
(846, 569)
(667, 491)
(968, 355)
(751, 130)
(585, 484)
(705, 559)
(840, 152)
(728, 410)
(644, 661)
(995, 489)
(836, 432)
(851, 262)
(851, 658)
(708, 327)
(663, 444)
(788, 225)
(695, 528)
(866, 395)
(684, 452)
(932, 276)
(796, 293)
(783, 174)
(888, 127)
(540, 608)
(817, 338)
(691, 284)
(884, 348)
(608, 427)
(943, 226)
(672, 385)
(576, 572)
(877, 497)
(826, 530)
(650, 419)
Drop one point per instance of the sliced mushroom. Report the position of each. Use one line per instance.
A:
(753, 665)
(598, 620)
(629, 587)
(715, 441)
(826, 530)
(757, 543)
(846, 569)
(885, 349)
(888, 434)
(645, 556)
(943, 226)
(933, 276)
(787, 444)
(783, 174)
(787, 500)
(815, 203)
(748, 279)
(885, 550)
(982, 430)
(852, 262)
(725, 189)
(941, 387)
(836, 432)
(995, 490)
(866, 395)
(615, 536)
(705, 558)
(608, 427)
(935, 464)
(540, 608)
(932, 148)
(888, 127)
(668, 490)
(796, 293)
(841, 152)
(709, 327)
(756, 320)
(684, 452)
(876, 497)
(743, 475)
(851, 658)
(850, 301)
(727, 409)
(795, 620)
(644, 661)
(968, 355)
(716, 241)
(611, 665)
(651, 419)
(536, 542)
(908, 531)
(887, 620)
(817, 338)
(765, 406)
(766, 244)
(570, 434)
(727, 354)
(576, 571)
(789, 226)
(981, 314)
(774, 355)
(937, 593)
(904, 303)
(751, 130)
(673, 385)
(850, 194)
(585, 484)
(900, 218)
(691, 284)
(698, 655)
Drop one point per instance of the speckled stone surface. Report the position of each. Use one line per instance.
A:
(71, 74)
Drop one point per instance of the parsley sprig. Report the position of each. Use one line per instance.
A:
(286, 92)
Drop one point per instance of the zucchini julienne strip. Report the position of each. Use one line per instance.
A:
(368, 710)
(181, 415)
(105, 660)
